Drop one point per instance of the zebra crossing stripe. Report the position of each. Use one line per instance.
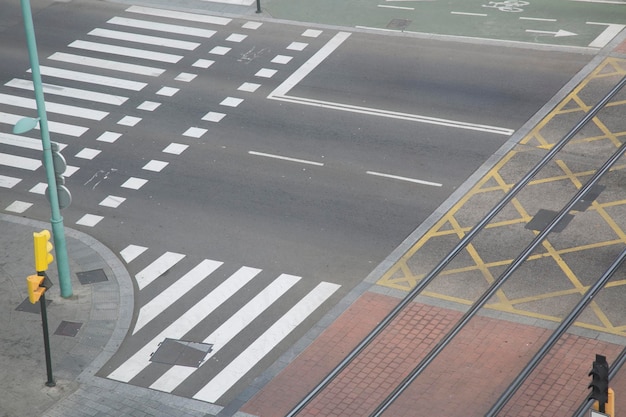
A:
(168, 297)
(179, 15)
(69, 92)
(51, 107)
(23, 142)
(16, 161)
(107, 64)
(92, 78)
(162, 27)
(130, 252)
(242, 364)
(157, 268)
(8, 182)
(148, 40)
(229, 329)
(141, 359)
(124, 51)
(54, 127)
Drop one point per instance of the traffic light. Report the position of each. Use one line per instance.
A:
(43, 247)
(600, 381)
(35, 290)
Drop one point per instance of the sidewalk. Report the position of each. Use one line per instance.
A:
(95, 320)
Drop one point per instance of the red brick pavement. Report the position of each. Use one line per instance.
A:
(464, 380)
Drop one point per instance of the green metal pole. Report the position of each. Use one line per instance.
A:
(58, 232)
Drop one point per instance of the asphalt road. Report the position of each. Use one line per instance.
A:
(323, 182)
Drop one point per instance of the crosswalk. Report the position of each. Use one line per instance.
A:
(156, 325)
(93, 83)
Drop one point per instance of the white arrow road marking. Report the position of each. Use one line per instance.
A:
(557, 34)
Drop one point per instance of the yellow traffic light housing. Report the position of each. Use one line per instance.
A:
(43, 247)
(35, 290)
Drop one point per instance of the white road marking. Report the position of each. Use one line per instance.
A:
(242, 364)
(92, 78)
(297, 46)
(89, 220)
(15, 161)
(131, 252)
(179, 15)
(168, 91)
(213, 116)
(185, 77)
(17, 206)
(109, 137)
(231, 102)
(311, 33)
(229, 329)
(286, 158)
(148, 105)
(156, 166)
(220, 50)
(39, 188)
(24, 142)
(281, 59)
(396, 177)
(112, 201)
(195, 132)
(203, 308)
(54, 127)
(73, 111)
(87, 153)
(145, 39)
(70, 92)
(129, 121)
(558, 34)
(607, 35)
(162, 27)
(124, 51)
(175, 148)
(252, 25)
(470, 14)
(203, 63)
(107, 64)
(179, 288)
(539, 19)
(249, 87)
(8, 182)
(236, 37)
(266, 73)
(395, 7)
(157, 268)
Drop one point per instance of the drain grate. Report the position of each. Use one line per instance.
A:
(399, 24)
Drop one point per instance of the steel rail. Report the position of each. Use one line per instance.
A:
(455, 251)
(495, 286)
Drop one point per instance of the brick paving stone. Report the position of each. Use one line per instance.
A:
(470, 374)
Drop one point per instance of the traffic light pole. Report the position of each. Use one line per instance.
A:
(46, 340)
(56, 220)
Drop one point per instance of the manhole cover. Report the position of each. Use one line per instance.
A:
(400, 24)
(68, 328)
(91, 277)
(181, 352)
(543, 217)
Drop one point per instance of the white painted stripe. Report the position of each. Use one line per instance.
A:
(397, 115)
(396, 177)
(214, 20)
(395, 7)
(310, 64)
(131, 252)
(181, 287)
(107, 64)
(286, 158)
(145, 39)
(203, 308)
(24, 142)
(539, 19)
(162, 27)
(607, 35)
(157, 268)
(70, 92)
(124, 51)
(469, 14)
(229, 329)
(17, 206)
(53, 127)
(92, 78)
(21, 162)
(602, 1)
(242, 364)
(8, 182)
(73, 111)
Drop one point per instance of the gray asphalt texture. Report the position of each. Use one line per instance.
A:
(103, 311)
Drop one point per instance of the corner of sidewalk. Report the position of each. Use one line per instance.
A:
(85, 331)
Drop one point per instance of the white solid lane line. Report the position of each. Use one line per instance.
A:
(286, 158)
(397, 177)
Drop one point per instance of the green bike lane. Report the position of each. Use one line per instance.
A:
(580, 23)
